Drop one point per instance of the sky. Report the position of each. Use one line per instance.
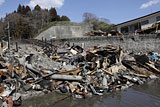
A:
(117, 11)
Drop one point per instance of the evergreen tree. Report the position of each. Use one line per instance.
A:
(19, 9)
(19, 28)
(53, 14)
(22, 29)
(25, 23)
(2, 34)
(28, 9)
(58, 18)
(65, 18)
(23, 10)
(46, 10)
(37, 8)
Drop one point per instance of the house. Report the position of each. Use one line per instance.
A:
(139, 24)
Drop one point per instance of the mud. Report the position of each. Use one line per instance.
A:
(146, 95)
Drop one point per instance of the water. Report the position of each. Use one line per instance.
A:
(147, 95)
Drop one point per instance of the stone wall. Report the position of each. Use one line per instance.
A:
(127, 42)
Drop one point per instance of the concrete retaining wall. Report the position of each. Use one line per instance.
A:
(65, 31)
(128, 42)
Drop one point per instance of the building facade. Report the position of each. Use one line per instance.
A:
(141, 23)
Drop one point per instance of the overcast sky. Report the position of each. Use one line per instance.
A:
(116, 11)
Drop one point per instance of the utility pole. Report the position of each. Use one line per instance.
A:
(8, 36)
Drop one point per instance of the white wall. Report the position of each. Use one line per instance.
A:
(152, 20)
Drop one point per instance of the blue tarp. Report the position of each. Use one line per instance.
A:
(154, 57)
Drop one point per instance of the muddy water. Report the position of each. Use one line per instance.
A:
(147, 95)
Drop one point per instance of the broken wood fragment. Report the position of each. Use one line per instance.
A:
(153, 67)
(66, 77)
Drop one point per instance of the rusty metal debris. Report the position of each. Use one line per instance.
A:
(101, 33)
(71, 69)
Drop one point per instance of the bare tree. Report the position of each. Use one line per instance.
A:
(97, 23)
(105, 20)
(90, 18)
(12, 19)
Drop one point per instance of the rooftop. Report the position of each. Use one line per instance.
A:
(139, 18)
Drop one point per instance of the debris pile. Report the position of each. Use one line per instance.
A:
(101, 33)
(96, 33)
(153, 29)
(33, 70)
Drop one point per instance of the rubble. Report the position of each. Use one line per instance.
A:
(101, 33)
(71, 69)
(153, 29)
(96, 33)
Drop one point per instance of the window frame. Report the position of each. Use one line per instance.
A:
(145, 22)
(158, 18)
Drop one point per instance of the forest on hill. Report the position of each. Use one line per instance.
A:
(25, 22)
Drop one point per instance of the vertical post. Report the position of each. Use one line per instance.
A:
(68, 44)
(8, 37)
(16, 46)
(42, 39)
(45, 42)
(83, 45)
(2, 44)
(51, 43)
